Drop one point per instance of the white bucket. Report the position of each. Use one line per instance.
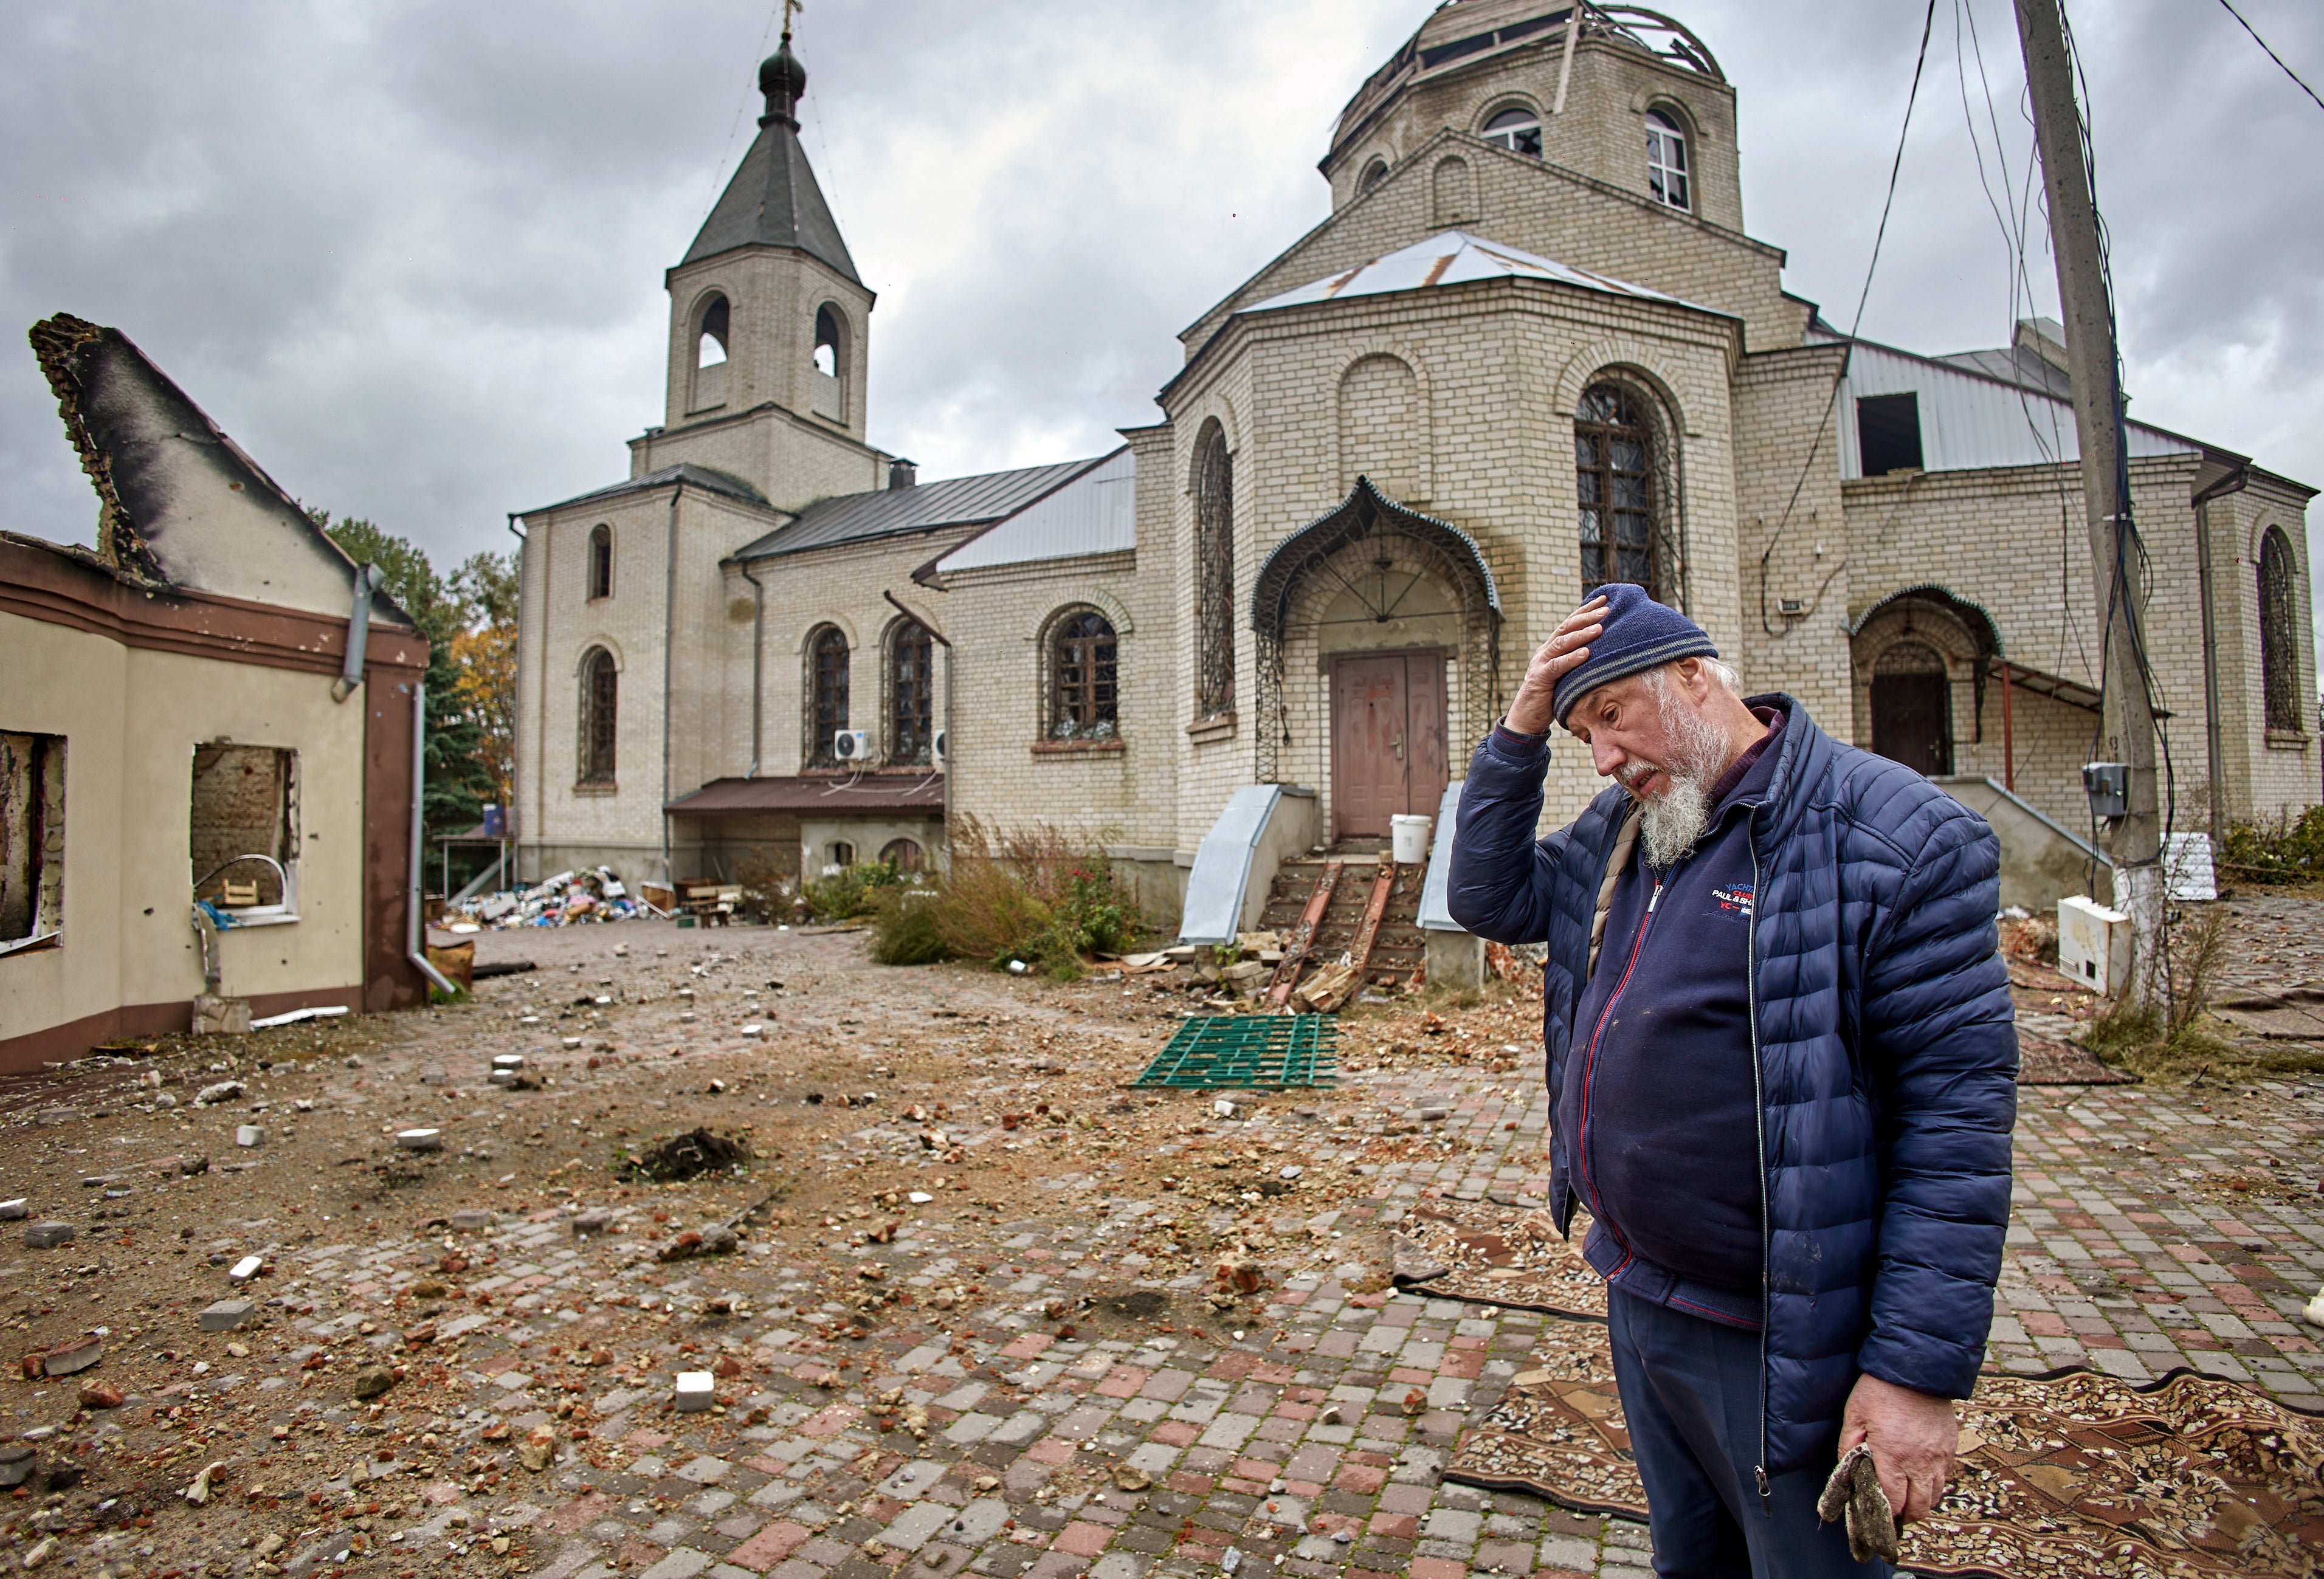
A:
(1408, 839)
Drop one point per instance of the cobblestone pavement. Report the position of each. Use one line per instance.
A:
(997, 1424)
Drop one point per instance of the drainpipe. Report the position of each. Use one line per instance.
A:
(415, 902)
(757, 658)
(669, 629)
(369, 578)
(2214, 752)
(516, 707)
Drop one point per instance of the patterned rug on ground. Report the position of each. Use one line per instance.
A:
(2072, 1473)
(1489, 1254)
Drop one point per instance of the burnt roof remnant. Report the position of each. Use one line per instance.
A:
(773, 200)
(179, 503)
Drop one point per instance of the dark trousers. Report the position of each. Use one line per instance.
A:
(1691, 1395)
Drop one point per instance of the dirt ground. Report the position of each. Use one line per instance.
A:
(438, 1335)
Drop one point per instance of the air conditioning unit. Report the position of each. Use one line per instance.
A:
(852, 745)
(940, 747)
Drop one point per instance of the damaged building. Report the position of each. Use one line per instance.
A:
(206, 803)
(1532, 350)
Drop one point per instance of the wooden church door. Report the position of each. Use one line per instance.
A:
(1388, 740)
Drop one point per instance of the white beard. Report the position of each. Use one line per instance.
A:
(1675, 819)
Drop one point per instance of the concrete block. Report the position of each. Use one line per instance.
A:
(48, 1235)
(474, 1221)
(249, 1136)
(73, 1356)
(696, 1392)
(12, 1211)
(246, 1268)
(420, 1140)
(226, 1315)
(19, 1462)
(217, 1016)
(508, 1060)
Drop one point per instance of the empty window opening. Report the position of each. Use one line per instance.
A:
(2279, 633)
(601, 681)
(710, 346)
(827, 658)
(1614, 475)
(1517, 129)
(1889, 433)
(1215, 573)
(904, 855)
(1082, 678)
(601, 561)
(911, 709)
(842, 855)
(244, 826)
(31, 838)
(1374, 174)
(828, 331)
(1666, 167)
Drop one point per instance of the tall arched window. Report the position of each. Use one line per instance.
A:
(1517, 129)
(1083, 678)
(1666, 159)
(2279, 632)
(600, 699)
(830, 335)
(1214, 576)
(911, 693)
(1614, 474)
(827, 688)
(601, 561)
(710, 345)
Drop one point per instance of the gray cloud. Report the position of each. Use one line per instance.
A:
(410, 255)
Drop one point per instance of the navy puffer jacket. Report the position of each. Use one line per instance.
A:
(1886, 1051)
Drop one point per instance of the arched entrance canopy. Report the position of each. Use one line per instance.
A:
(1973, 618)
(1444, 552)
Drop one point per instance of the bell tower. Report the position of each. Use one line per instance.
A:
(769, 322)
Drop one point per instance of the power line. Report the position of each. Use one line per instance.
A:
(2272, 55)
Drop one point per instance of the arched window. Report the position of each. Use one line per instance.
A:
(710, 345)
(842, 854)
(601, 561)
(827, 690)
(1374, 174)
(1517, 129)
(830, 334)
(1082, 678)
(904, 855)
(1615, 483)
(1666, 159)
(2279, 638)
(1214, 576)
(911, 694)
(599, 698)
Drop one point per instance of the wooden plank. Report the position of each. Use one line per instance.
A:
(1294, 947)
(1361, 955)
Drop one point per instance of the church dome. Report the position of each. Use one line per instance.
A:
(783, 81)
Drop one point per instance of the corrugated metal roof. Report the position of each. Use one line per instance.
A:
(1454, 257)
(957, 502)
(1095, 513)
(1970, 421)
(694, 476)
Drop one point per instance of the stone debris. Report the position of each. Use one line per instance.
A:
(696, 1391)
(372, 1381)
(19, 1462)
(14, 1210)
(225, 1314)
(224, 1091)
(537, 1448)
(72, 1355)
(420, 1140)
(249, 1136)
(247, 1268)
(48, 1235)
(199, 1491)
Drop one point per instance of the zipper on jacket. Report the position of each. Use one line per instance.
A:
(1588, 1067)
(1759, 1108)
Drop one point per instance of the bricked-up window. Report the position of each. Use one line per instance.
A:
(1082, 678)
(601, 561)
(242, 827)
(31, 838)
(1889, 433)
(1666, 174)
(1614, 470)
(601, 688)
(1519, 130)
(827, 681)
(2279, 637)
(1214, 576)
(911, 694)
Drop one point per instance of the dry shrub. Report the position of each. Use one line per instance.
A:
(1031, 893)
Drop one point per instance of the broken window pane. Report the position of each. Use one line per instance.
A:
(1666, 159)
(911, 717)
(1082, 678)
(1516, 129)
(242, 824)
(830, 661)
(1615, 466)
(32, 836)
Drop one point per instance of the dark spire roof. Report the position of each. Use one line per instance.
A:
(773, 200)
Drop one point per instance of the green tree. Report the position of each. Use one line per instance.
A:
(459, 775)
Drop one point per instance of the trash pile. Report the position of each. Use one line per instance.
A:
(590, 894)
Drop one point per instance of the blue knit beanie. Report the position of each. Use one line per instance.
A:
(1640, 634)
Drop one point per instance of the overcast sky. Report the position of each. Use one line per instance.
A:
(410, 254)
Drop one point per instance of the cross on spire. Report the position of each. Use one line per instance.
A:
(790, 8)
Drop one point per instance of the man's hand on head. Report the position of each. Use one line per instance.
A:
(1567, 649)
(1913, 1437)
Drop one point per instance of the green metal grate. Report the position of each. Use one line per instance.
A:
(1223, 1051)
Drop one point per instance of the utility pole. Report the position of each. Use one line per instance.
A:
(2132, 841)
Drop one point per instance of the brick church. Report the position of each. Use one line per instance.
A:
(1533, 349)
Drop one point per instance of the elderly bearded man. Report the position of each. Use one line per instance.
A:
(1782, 1076)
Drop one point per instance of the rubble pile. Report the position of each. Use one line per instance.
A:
(567, 899)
